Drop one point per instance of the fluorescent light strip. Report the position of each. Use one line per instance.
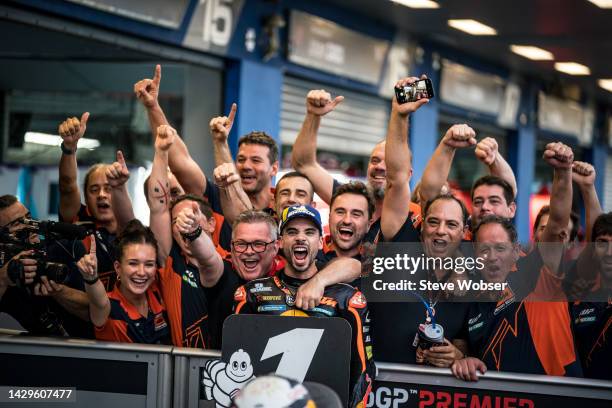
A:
(53, 140)
(602, 3)
(532, 53)
(418, 4)
(572, 68)
(472, 27)
(605, 84)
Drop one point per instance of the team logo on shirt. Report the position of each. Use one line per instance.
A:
(240, 294)
(159, 322)
(358, 301)
(260, 287)
(189, 277)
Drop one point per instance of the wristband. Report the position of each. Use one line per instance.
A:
(92, 281)
(192, 236)
(65, 150)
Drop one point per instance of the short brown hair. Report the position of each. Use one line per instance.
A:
(358, 188)
(263, 139)
(447, 197)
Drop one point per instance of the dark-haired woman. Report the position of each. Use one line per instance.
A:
(133, 312)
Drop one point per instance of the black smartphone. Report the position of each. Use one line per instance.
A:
(423, 88)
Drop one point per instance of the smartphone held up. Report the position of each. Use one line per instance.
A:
(423, 88)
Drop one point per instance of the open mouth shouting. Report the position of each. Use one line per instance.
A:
(250, 264)
(103, 206)
(345, 233)
(299, 255)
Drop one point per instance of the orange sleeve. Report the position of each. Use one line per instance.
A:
(550, 328)
(548, 288)
(113, 330)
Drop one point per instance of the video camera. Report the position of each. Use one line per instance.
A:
(15, 242)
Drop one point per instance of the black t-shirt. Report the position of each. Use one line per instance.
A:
(221, 302)
(395, 325)
(42, 315)
(592, 324)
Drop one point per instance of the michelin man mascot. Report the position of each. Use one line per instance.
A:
(223, 380)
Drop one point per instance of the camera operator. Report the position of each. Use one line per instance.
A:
(39, 303)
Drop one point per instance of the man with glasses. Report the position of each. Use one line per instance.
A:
(40, 305)
(253, 255)
(301, 239)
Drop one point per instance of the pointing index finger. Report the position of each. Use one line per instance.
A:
(92, 247)
(232, 113)
(157, 77)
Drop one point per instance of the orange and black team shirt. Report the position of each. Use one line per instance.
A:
(185, 301)
(530, 335)
(593, 332)
(126, 325)
(105, 251)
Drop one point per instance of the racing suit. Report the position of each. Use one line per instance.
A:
(339, 300)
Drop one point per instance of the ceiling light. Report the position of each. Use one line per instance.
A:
(419, 4)
(602, 3)
(531, 52)
(53, 140)
(572, 68)
(472, 27)
(605, 84)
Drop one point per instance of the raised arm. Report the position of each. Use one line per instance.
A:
(117, 175)
(201, 246)
(220, 128)
(187, 172)
(71, 130)
(233, 198)
(99, 304)
(158, 193)
(436, 172)
(487, 151)
(398, 159)
(560, 157)
(583, 174)
(304, 154)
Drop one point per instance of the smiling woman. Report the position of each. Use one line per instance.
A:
(133, 312)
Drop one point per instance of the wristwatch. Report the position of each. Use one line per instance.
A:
(65, 150)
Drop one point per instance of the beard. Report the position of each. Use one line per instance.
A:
(378, 192)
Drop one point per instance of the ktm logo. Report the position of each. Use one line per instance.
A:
(328, 302)
(239, 294)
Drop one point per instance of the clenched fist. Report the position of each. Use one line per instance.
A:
(147, 90)
(221, 126)
(71, 130)
(165, 138)
(558, 155)
(320, 102)
(188, 220)
(487, 150)
(117, 173)
(225, 175)
(458, 136)
(583, 173)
